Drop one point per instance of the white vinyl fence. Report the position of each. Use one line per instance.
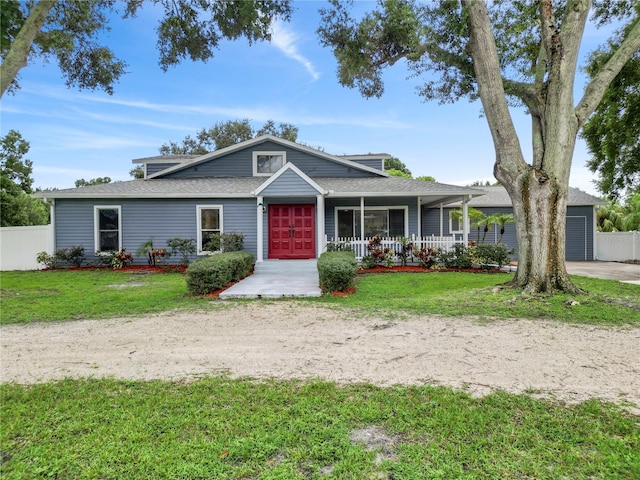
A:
(617, 246)
(19, 246)
(359, 246)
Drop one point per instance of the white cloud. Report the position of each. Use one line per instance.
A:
(285, 40)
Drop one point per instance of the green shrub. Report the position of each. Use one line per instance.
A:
(339, 247)
(427, 256)
(491, 254)
(49, 261)
(337, 271)
(182, 246)
(213, 273)
(225, 242)
(74, 256)
(459, 257)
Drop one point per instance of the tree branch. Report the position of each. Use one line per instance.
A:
(600, 83)
(18, 54)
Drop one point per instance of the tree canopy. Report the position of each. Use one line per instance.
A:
(69, 31)
(17, 207)
(612, 133)
(94, 181)
(225, 134)
(505, 54)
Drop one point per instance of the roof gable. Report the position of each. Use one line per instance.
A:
(255, 143)
(289, 180)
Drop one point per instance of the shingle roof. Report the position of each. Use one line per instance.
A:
(498, 197)
(244, 186)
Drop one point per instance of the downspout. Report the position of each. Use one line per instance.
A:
(51, 203)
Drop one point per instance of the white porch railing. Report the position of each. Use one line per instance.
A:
(359, 246)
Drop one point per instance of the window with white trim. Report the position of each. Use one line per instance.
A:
(209, 224)
(382, 221)
(455, 223)
(107, 221)
(268, 163)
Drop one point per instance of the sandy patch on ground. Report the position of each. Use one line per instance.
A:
(293, 340)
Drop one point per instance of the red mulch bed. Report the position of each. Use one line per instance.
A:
(417, 269)
(138, 268)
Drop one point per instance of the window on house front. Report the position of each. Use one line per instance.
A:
(268, 163)
(455, 222)
(107, 227)
(209, 224)
(382, 221)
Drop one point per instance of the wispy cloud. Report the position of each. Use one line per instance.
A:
(285, 40)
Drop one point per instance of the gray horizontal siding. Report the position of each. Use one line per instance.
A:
(576, 240)
(289, 183)
(240, 164)
(154, 219)
(375, 163)
(157, 167)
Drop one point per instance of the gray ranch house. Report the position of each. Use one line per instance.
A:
(287, 200)
(580, 224)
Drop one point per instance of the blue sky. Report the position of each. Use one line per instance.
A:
(87, 134)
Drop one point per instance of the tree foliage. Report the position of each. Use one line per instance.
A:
(94, 181)
(394, 164)
(225, 134)
(616, 217)
(613, 131)
(17, 207)
(69, 31)
(520, 53)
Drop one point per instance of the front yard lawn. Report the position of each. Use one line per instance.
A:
(60, 295)
(606, 302)
(232, 429)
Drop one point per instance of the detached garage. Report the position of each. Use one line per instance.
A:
(581, 221)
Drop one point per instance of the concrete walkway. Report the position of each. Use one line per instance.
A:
(277, 279)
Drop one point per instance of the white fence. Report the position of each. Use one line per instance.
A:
(617, 246)
(19, 246)
(359, 246)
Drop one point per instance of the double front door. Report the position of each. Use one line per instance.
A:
(292, 231)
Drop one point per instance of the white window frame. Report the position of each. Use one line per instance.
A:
(96, 227)
(460, 225)
(391, 207)
(199, 209)
(260, 153)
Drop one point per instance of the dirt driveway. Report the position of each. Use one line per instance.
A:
(294, 340)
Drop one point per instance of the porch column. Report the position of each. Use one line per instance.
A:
(419, 218)
(260, 224)
(465, 220)
(441, 220)
(362, 219)
(320, 245)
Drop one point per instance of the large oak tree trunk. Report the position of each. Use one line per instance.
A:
(538, 191)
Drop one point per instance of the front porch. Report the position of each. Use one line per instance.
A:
(359, 246)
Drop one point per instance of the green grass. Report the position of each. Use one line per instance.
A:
(241, 429)
(606, 302)
(69, 295)
(59, 295)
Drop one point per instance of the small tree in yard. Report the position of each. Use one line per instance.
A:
(523, 53)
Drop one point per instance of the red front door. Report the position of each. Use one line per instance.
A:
(292, 231)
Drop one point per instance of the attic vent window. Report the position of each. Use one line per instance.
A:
(268, 163)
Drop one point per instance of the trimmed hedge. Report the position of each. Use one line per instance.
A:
(215, 272)
(337, 271)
